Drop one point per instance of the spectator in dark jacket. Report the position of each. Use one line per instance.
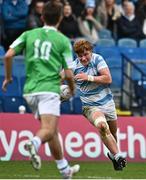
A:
(128, 24)
(141, 13)
(69, 24)
(77, 6)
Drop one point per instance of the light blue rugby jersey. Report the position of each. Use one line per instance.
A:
(91, 93)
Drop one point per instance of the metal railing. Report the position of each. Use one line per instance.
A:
(133, 91)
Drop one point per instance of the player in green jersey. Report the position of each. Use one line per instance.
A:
(47, 51)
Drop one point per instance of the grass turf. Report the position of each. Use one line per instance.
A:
(89, 170)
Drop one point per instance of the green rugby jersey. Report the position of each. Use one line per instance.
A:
(47, 51)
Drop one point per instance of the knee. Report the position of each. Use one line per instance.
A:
(103, 129)
(102, 126)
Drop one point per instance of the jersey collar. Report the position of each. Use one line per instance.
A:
(50, 27)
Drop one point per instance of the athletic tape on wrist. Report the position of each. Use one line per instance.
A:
(90, 78)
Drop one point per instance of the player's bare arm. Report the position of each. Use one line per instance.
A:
(68, 76)
(103, 78)
(8, 68)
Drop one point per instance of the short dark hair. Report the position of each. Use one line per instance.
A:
(52, 12)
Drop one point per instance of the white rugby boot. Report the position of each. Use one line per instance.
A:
(73, 170)
(34, 157)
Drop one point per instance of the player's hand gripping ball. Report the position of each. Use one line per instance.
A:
(65, 92)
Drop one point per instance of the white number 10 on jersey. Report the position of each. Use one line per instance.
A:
(42, 49)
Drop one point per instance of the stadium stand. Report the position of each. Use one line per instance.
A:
(142, 66)
(77, 105)
(116, 73)
(22, 81)
(127, 42)
(66, 107)
(2, 50)
(18, 68)
(107, 52)
(131, 74)
(19, 59)
(13, 88)
(113, 58)
(1, 67)
(1, 104)
(114, 62)
(105, 34)
(135, 54)
(142, 43)
(12, 103)
(106, 42)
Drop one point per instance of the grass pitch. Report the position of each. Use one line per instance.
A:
(89, 170)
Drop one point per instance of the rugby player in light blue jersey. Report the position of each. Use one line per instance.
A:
(93, 77)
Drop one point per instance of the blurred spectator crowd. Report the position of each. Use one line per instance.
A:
(81, 18)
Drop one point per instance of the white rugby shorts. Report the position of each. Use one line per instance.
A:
(108, 110)
(48, 103)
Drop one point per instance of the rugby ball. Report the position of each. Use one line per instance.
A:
(65, 92)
